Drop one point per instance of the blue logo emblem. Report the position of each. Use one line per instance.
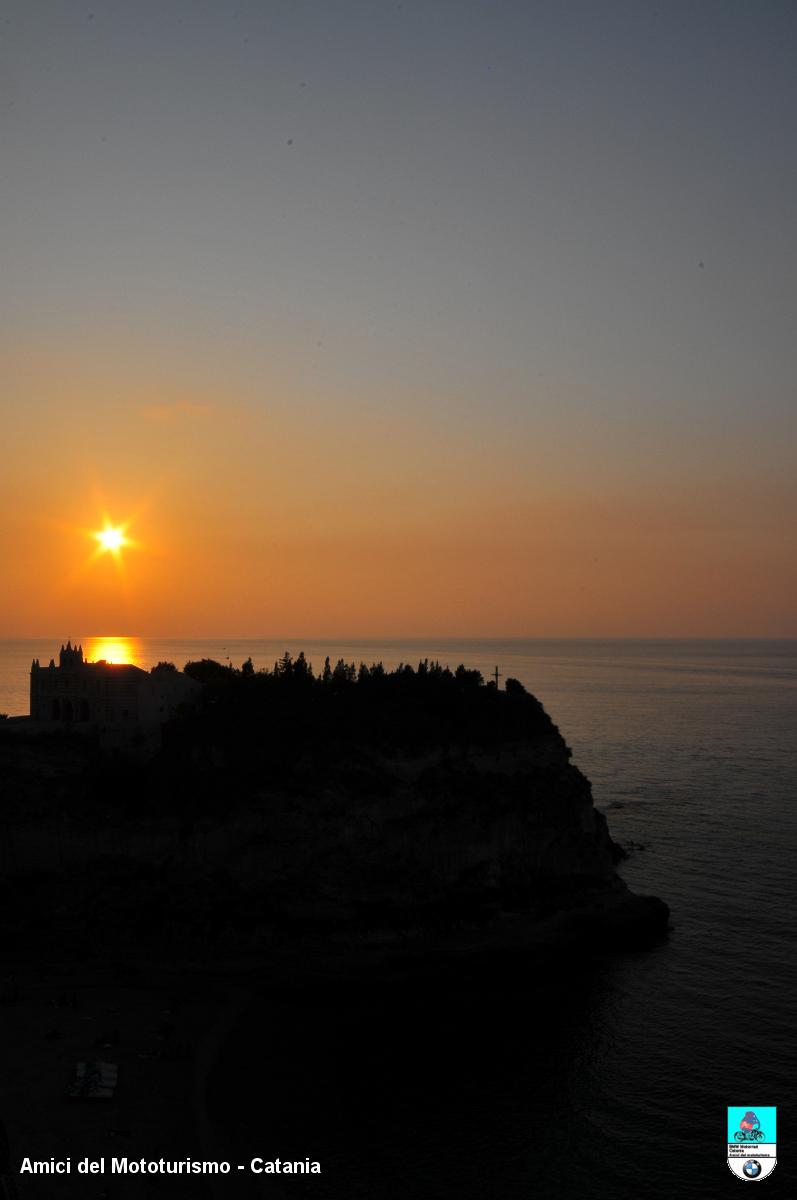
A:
(752, 1141)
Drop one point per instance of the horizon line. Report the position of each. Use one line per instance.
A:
(398, 639)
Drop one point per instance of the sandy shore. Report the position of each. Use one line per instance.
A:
(161, 1026)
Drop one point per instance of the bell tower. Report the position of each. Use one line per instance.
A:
(71, 656)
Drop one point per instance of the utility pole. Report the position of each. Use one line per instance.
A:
(497, 675)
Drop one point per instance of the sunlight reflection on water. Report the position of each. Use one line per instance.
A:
(114, 649)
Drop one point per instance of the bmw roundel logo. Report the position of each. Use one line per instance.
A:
(752, 1168)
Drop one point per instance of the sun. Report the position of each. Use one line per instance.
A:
(111, 538)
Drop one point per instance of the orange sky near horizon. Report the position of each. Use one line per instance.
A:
(284, 518)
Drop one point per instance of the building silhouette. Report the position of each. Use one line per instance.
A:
(103, 696)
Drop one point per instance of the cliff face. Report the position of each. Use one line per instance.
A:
(321, 832)
(444, 833)
(463, 841)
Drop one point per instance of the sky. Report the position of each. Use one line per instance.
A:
(392, 319)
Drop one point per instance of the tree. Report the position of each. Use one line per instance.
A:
(344, 672)
(302, 669)
(207, 670)
(468, 678)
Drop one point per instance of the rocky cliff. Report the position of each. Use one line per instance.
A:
(419, 812)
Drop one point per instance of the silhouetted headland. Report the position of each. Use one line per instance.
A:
(357, 816)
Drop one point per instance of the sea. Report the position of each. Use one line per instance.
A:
(607, 1076)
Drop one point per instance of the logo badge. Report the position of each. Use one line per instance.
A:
(752, 1141)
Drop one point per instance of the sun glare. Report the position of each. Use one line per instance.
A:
(110, 541)
(111, 538)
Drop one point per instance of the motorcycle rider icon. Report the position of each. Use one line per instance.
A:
(749, 1129)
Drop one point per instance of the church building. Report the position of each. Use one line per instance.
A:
(104, 696)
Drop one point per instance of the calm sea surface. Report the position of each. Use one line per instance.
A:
(611, 1081)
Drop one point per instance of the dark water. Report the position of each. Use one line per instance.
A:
(604, 1078)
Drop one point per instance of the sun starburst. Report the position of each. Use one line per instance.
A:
(111, 538)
